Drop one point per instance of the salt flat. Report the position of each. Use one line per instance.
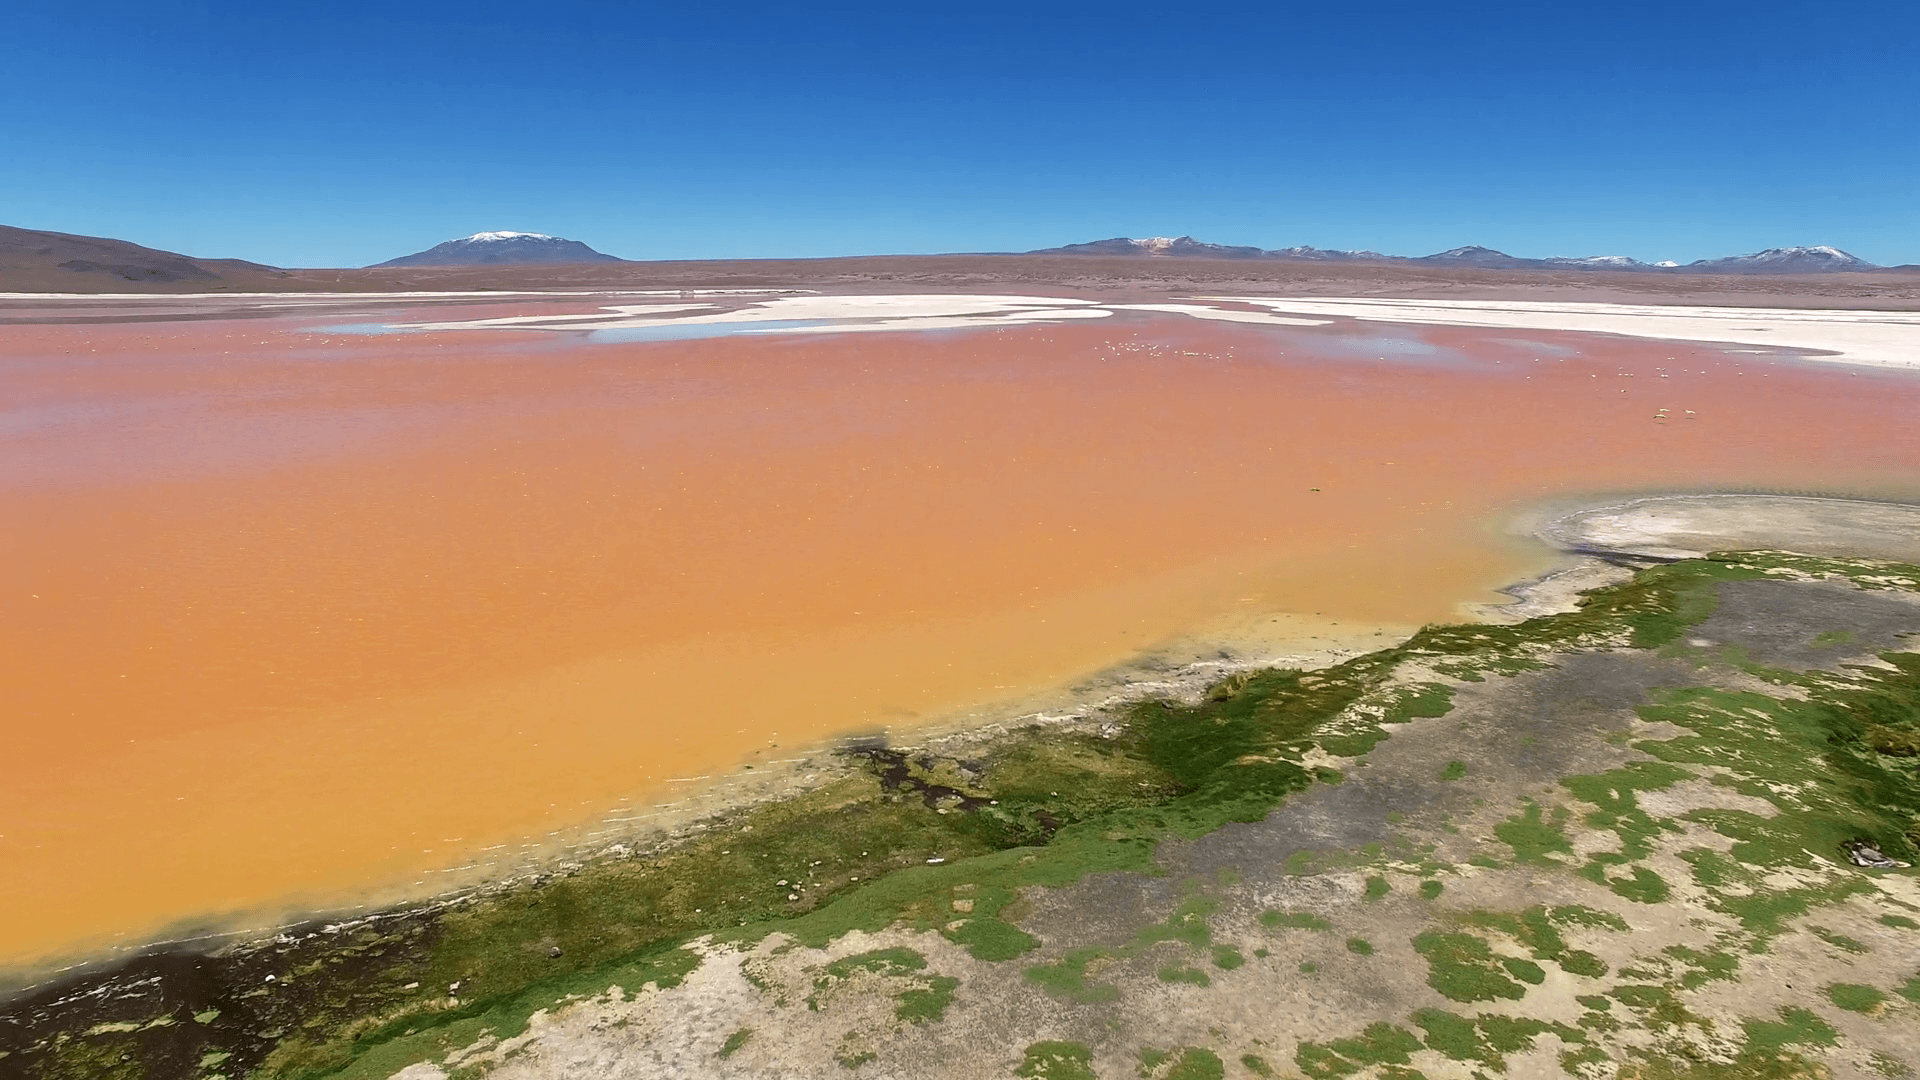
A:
(1890, 338)
(1882, 338)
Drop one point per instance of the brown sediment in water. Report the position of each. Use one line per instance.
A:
(289, 615)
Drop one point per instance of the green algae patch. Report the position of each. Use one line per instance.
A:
(1855, 997)
(1532, 837)
(1057, 1061)
(1486, 1039)
(924, 998)
(1190, 1063)
(1068, 978)
(1464, 967)
(1293, 920)
(1380, 1044)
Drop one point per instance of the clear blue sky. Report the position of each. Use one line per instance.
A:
(342, 133)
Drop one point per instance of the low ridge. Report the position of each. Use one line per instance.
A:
(34, 260)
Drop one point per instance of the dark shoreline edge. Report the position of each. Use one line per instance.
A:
(310, 1002)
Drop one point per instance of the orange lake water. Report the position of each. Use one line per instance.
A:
(286, 616)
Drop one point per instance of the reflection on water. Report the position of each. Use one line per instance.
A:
(283, 629)
(695, 331)
(361, 328)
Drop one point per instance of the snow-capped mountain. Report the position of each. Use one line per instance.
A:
(502, 248)
(1154, 245)
(1601, 262)
(1304, 251)
(1787, 260)
(1188, 246)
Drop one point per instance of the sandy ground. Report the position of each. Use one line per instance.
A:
(363, 607)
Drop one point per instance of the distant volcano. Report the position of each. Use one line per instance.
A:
(1787, 260)
(502, 249)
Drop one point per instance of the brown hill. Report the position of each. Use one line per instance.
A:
(35, 261)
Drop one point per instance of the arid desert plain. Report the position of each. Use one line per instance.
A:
(332, 603)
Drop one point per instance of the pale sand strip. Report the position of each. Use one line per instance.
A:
(910, 312)
(1689, 526)
(1883, 338)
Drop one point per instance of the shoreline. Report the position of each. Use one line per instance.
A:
(1180, 670)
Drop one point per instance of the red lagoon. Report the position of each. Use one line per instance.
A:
(291, 615)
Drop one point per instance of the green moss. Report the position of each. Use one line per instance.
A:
(1226, 957)
(926, 1003)
(1377, 888)
(1580, 962)
(1187, 924)
(1525, 970)
(1258, 1066)
(1585, 1061)
(1454, 770)
(1463, 967)
(1657, 1006)
(735, 1041)
(1899, 921)
(1419, 700)
(1067, 978)
(895, 961)
(1644, 886)
(1910, 989)
(1057, 1061)
(1533, 838)
(1839, 941)
(1379, 1044)
(1293, 920)
(1489, 1038)
(1706, 966)
(1197, 1063)
(1855, 997)
(1190, 975)
(1430, 890)
(1360, 946)
(1452, 1035)
(1795, 1027)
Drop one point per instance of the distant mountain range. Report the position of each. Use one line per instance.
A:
(502, 249)
(39, 261)
(1788, 260)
